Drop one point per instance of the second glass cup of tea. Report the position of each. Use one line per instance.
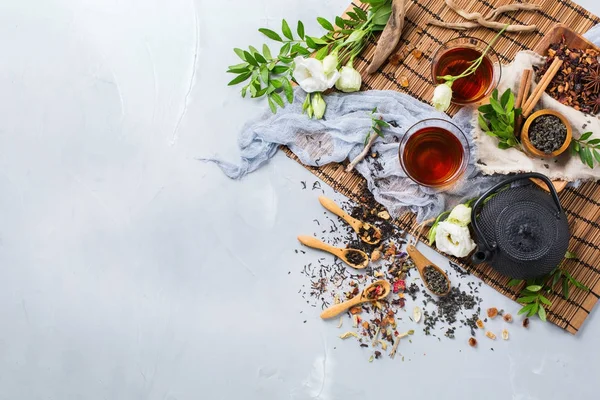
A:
(455, 56)
(434, 153)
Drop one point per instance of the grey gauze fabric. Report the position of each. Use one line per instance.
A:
(341, 135)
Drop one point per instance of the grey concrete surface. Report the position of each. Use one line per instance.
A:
(129, 270)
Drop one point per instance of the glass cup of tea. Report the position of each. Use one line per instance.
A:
(455, 56)
(434, 153)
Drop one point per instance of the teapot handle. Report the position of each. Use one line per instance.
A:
(485, 253)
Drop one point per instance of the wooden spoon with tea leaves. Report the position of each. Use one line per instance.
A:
(367, 232)
(434, 278)
(375, 291)
(355, 258)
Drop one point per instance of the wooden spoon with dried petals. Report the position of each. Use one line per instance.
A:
(367, 232)
(353, 257)
(375, 291)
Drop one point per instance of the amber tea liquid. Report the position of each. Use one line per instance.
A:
(471, 88)
(433, 156)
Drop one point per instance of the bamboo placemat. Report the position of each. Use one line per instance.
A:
(582, 205)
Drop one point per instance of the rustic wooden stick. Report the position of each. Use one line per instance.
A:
(522, 95)
(512, 7)
(541, 87)
(487, 23)
(363, 153)
(459, 26)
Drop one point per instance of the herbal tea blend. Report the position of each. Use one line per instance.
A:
(436, 281)
(355, 257)
(547, 133)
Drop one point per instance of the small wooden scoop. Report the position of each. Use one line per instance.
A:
(341, 253)
(421, 262)
(361, 298)
(367, 232)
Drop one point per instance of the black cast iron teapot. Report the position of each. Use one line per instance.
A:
(522, 232)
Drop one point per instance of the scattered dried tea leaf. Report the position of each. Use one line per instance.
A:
(508, 318)
(504, 334)
(341, 322)
(356, 310)
(375, 255)
(490, 335)
(391, 250)
(526, 323)
(348, 334)
(404, 81)
(378, 305)
(371, 358)
(411, 332)
(417, 314)
(336, 299)
(492, 312)
(378, 274)
(365, 325)
(377, 354)
(384, 215)
(472, 342)
(480, 324)
(417, 54)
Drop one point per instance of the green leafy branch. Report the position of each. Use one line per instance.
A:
(532, 295)
(270, 74)
(588, 149)
(377, 124)
(497, 119)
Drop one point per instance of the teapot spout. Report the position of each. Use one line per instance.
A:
(481, 255)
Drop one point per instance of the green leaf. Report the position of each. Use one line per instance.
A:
(545, 300)
(482, 123)
(589, 157)
(525, 309)
(285, 49)
(367, 138)
(322, 53)
(570, 255)
(577, 147)
(504, 145)
(259, 58)
(582, 155)
(287, 89)
(431, 235)
(277, 98)
(533, 310)
(542, 314)
(486, 109)
(310, 42)
(244, 90)
(526, 299)
(279, 69)
(300, 29)
(497, 107)
(495, 94)
(556, 278)
(240, 78)
(514, 282)
(267, 52)
(354, 16)
(264, 74)
(534, 288)
(361, 13)
(594, 141)
(285, 29)
(382, 14)
(340, 22)
(270, 34)
(565, 287)
(250, 59)
(240, 53)
(586, 136)
(382, 123)
(505, 97)
(597, 155)
(238, 69)
(510, 104)
(324, 23)
(272, 105)
(297, 48)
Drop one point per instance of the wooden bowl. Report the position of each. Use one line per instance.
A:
(531, 149)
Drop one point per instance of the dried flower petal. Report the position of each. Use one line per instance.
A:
(504, 334)
(356, 310)
(365, 325)
(508, 318)
(355, 321)
(371, 358)
(490, 335)
(383, 345)
(492, 312)
(375, 255)
(472, 342)
(378, 274)
(348, 334)
(480, 324)
(417, 314)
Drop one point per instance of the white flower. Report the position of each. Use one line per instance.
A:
(330, 63)
(310, 75)
(454, 239)
(442, 95)
(460, 215)
(350, 80)
(318, 105)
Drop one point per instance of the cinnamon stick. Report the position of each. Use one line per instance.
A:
(524, 87)
(541, 87)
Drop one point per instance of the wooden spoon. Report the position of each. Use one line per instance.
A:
(421, 262)
(360, 227)
(339, 252)
(361, 298)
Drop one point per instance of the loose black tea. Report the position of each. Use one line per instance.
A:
(435, 280)
(547, 133)
(355, 257)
